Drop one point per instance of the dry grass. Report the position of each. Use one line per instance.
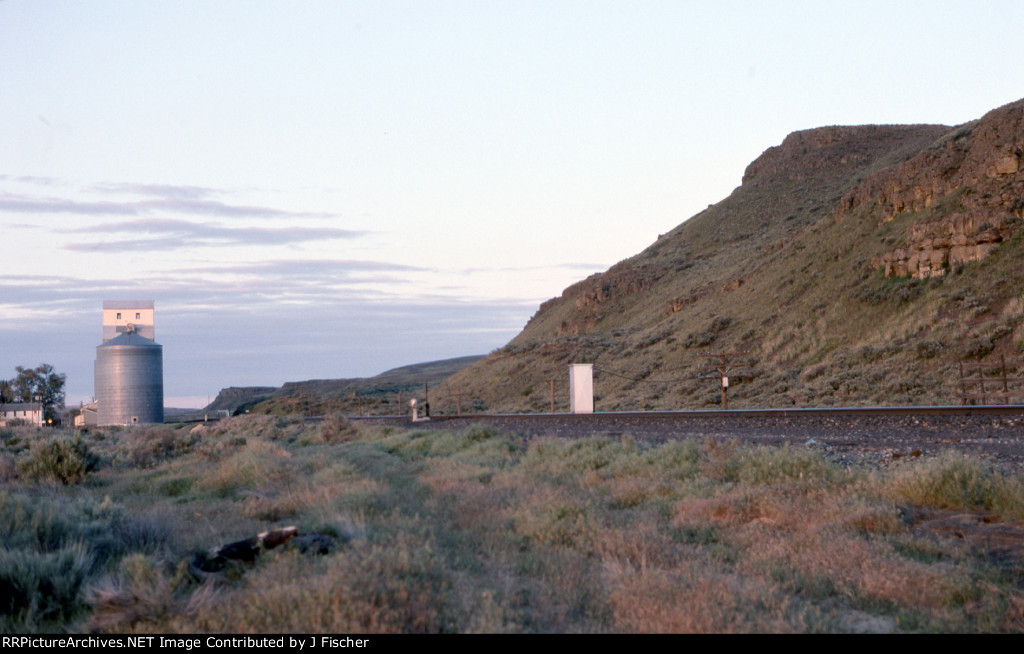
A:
(955, 481)
(479, 531)
(691, 599)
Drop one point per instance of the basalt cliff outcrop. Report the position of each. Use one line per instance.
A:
(963, 194)
(827, 148)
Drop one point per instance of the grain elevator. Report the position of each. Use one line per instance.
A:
(129, 376)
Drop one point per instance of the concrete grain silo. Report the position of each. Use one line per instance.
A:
(129, 378)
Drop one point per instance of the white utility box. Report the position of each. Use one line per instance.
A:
(581, 387)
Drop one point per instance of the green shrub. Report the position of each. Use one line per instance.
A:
(144, 592)
(8, 470)
(677, 460)
(977, 348)
(476, 442)
(557, 457)
(146, 532)
(37, 587)
(879, 289)
(566, 524)
(766, 465)
(161, 442)
(47, 523)
(335, 428)
(699, 339)
(67, 460)
(720, 323)
(954, 481)
(479, 433)
(929, 349)
(396, 587)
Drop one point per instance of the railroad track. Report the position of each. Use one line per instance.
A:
(993, 431)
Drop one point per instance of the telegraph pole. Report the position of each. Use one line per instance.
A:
(359, 401)
(458, 396)
(725, 368)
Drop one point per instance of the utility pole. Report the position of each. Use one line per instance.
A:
(552, 384)
(359, 401)
(458, 396)
(721, 362)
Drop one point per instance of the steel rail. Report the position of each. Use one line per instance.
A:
(988, 410)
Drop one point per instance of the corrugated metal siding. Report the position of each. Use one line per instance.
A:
(129, 379)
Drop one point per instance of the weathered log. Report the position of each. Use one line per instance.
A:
(227, 557)
(248, 549)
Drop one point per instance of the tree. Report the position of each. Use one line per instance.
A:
(39, 384)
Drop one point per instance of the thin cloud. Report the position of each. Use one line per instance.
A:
(255, 289)
(589, 267)
(168, 191)
(32, 179)
(20, 204)
(158, 198)
(307, 267)
(220, 209)
(170, 234)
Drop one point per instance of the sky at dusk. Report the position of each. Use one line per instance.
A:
(330, 189)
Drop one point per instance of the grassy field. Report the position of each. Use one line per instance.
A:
(479, 531)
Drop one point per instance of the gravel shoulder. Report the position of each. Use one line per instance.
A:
(885, 438)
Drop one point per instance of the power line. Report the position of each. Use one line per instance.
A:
(638, 379)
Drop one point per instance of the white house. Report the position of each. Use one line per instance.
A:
(30, 413)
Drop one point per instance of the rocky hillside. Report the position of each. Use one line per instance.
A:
(367, 395)
(964, 196)
(852, 266)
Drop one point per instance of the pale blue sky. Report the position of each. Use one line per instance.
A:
(330, 189)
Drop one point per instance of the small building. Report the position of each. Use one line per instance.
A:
(88, 415)
(29, 413)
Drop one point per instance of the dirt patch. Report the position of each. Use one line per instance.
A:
(977, 530)
(858, 622)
